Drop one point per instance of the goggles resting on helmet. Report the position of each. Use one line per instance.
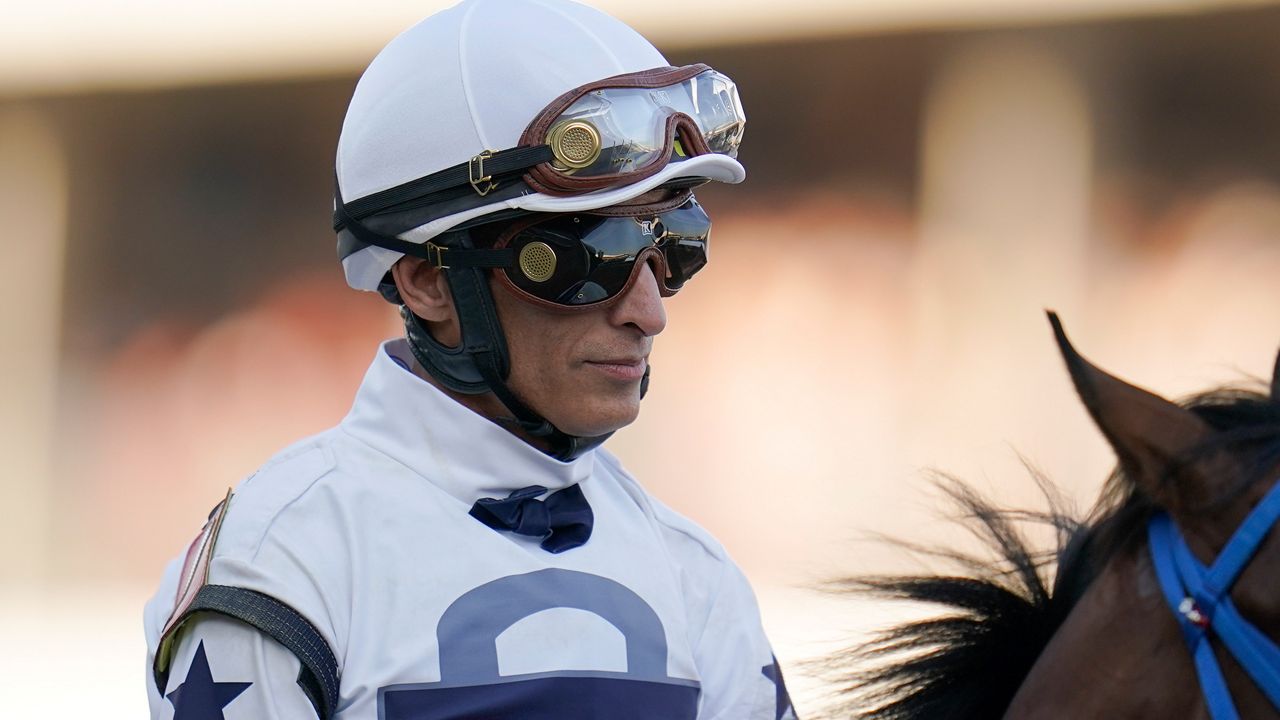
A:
(625, 128)
(609, 133)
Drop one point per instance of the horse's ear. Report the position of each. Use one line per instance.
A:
(1275, 381)
(1155, 440)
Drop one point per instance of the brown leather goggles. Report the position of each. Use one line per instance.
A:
(622, 129)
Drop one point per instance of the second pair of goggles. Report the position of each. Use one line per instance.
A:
(625, 128)
(612, 132)
(580, 260)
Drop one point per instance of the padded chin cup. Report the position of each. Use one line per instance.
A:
(455, 369)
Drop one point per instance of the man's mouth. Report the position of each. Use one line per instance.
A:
(628, 369)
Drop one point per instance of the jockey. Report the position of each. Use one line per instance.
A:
(517, 177)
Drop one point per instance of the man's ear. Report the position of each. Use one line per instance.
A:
(423, 289)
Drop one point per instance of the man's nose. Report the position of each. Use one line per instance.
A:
(641, 304)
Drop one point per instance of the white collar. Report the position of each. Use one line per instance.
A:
(463, 453)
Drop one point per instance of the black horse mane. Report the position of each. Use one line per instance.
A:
(968, 662)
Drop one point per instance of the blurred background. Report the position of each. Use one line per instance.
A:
(925, 178)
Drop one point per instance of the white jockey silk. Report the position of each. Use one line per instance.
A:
(364, 530)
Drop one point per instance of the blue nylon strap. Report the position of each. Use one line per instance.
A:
(1192, 572)
(1214, 686)
(1176, 569)
(1244, 543)
(1165, 541)
(1256, 653)
(1162, 537)
(1182, 576)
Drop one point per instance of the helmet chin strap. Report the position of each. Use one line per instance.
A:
(481, 363)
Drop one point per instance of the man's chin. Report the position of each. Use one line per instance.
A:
(601, 421)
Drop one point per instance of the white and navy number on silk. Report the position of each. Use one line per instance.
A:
(470, 684)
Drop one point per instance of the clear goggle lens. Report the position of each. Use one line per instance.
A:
(622, 130)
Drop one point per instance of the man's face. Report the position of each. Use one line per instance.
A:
(582, 370)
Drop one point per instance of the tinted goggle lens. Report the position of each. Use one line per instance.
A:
(577, 260)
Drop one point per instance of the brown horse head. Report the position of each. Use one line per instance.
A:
(1119, 653)
(1085, 631)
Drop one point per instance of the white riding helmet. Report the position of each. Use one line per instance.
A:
(468, 81)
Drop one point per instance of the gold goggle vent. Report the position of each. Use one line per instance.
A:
(537, 261)
(576, 144)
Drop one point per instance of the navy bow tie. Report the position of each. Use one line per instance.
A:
(563, 519)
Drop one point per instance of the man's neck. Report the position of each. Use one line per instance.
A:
(486, 405)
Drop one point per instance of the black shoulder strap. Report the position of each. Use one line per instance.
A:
(318, 677)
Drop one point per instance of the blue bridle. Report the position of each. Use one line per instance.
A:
(1198, 596)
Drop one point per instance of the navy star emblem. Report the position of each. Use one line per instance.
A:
(199, 697)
